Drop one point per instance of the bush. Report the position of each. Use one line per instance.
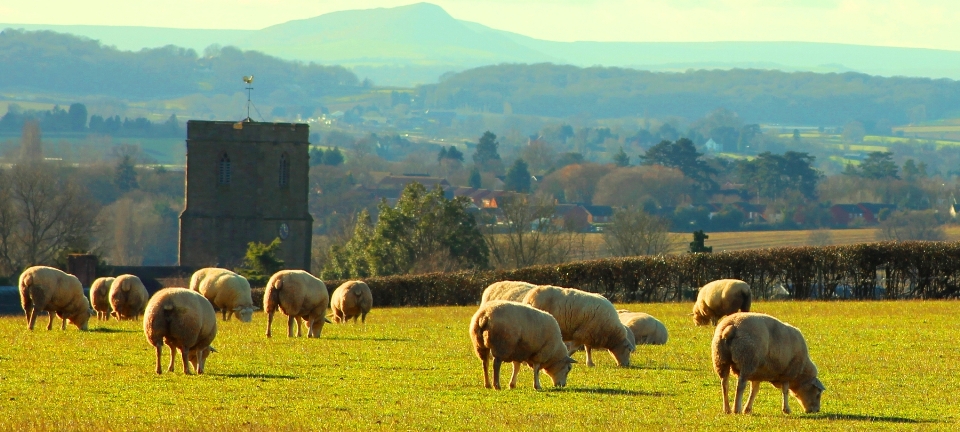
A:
(891, 270)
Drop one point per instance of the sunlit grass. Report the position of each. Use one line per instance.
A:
(886, 365)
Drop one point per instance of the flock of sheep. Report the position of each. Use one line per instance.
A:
(517, 322)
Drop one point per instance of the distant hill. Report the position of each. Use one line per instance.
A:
(756, 95)
(418, 43)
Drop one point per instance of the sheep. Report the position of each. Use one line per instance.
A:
(585, 319)
(227, 290)
(182, 319)
(518, 333)
(299, 295)
(506, 290)
(99, 297)
(49, 289)
(720, 298)
(646, 329)
(128, 297)
(351, 299)
(758, 348)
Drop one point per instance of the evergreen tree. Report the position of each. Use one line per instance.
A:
(78, 117)
(621, 159)
(475, 180)
(126, 176)
(518, 177)
(487, 152)
(333, 157)
(697, 245)
(316, 156)
(261, 262)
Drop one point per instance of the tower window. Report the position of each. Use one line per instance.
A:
(284, 170)
(224, 171)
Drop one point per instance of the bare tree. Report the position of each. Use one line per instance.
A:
(635, 232)
(40, 216)
(530, 234)
(917, 225)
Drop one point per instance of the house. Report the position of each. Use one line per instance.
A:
(598, 214)
(867, 213)
(571, 216)
(871, 211)
(713, 146)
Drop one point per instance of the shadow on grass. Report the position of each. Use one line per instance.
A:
(609, 391)
(860, 417)
(661, 367)
(112, 330)
(371, 338)
(256, 376)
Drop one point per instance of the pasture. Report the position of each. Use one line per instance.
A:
(886, 366)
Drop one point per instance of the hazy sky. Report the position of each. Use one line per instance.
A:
(908, 23)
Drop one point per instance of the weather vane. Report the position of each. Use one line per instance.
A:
(248, 79)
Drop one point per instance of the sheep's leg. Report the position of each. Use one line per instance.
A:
(754, 389)
(485, 358)
(224, 312)
(496, 372)
(202, 360)
(173, 358)
(513, 377)
(159, 348)
(310, 332)
(363, 318)
(63, 325)
(299, 326)
(290, 326)
(269, 323)
(185, 354)
(786, 397)
(33, 318)
(589, 355)
(725, 389)
(536, 376)
(50, 323)
(741, 387)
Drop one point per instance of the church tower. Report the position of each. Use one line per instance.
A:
(245, 182)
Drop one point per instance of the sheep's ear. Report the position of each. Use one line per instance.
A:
(818, 384)
(213, 350)
(571, 360)
(327, 320)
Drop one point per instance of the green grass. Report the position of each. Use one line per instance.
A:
(886, 366)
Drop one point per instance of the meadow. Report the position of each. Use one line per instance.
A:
(886, 366)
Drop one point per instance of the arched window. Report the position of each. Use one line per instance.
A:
(284, 170)
(224, 171)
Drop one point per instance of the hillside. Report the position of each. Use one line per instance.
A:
(416, 44)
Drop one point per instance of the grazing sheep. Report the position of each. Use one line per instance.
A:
(228, 292)
(128, 297)
(48, 289)
(518, 333)
(585, 319)
(182, 319)
(100, 297)
(506, 290)
(646, 329)
(721, 298)
(351, 299)
(299, 295)
(760, 348)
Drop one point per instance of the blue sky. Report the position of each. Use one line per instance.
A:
(906, 23)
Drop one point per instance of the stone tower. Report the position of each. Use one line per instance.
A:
(245, 182)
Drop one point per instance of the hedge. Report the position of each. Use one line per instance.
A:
(867, 271)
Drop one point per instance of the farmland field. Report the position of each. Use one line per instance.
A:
(886, 366)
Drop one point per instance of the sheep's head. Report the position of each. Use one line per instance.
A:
(82, 318)
(809, 394)
(621, 352)
(700, 318)
(245, 313)
(558, 371)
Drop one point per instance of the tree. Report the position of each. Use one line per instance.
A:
(530, 234)
(78, 117)
(796, 135)
(487, 156)
(31, 146)
(773, 175)
(475, 179)
(748, 135)
(697, 245)
(518, 177)
(261, 262)
(423, 232)
(853, 132)
(878, 165)
(40, 216)
(621, 159)
(333, 157)
(682, 154)
(915, 225)
(635, 232)
(316, 156)
(126, 176)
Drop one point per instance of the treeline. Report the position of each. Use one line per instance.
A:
(759, 95)
(45, 61)
(75, 119)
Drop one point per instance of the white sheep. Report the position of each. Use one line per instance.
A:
(760, 348)
(646, 329)
(182, 319)
(49, 289)
(351, 299)
(228, 292)
(506, 290)
(100, 297)
(518, 333)
(299, 295)
(128, 297)
(585, 319)
(721, 298)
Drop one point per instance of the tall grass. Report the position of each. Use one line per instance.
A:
(886, 365)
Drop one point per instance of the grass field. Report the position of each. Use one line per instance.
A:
(886, 366)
